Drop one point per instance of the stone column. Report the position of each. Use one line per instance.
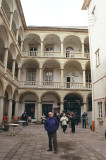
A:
(61, 49)
(10, 111)
(41, 48)
(62, 78)
(84, 78)
(11, 19)
(40, 77)
(83, 51)
(17, 32)
(85, 107)
(1, 109)
(16, 110)
(19, 73)
(5, 59)
(39, 111)
(61, 107)
(13, 68)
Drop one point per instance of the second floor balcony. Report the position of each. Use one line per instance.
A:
(51, 46)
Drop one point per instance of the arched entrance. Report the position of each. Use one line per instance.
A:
(73, 103)
(28, 101)
(50, 103)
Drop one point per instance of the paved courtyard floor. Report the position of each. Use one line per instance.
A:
(31, 143)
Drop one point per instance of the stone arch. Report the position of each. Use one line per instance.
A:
(52, 42)
(54, 62)
(32, 35)
(12, 49)
(73, 101)
(27, 92)
(50, 92)
(50, 102)
(32, 60)
(71, 35)
(8, 7)
(75, 61)
(9, 91)
(15, 22)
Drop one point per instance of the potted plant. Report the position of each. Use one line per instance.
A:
(6, 125)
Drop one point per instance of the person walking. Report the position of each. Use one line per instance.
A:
(51, 126)
(73, 118)
(24, 118)
(64, 121)
(84, 117)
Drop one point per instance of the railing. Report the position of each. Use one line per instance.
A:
(5, 16)
(73, 54)
(28, 84)
(89, 85)
(51, 84)
(1, 67)
(68, 85)
(52, 54)
(30, 54)
(9, 75)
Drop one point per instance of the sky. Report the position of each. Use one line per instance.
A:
(54, 13)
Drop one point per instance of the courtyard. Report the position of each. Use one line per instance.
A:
(31, 143)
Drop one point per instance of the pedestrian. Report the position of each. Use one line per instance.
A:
(43, 118)
(24, 118)
(51, 126)
(84, 117)
(57, 116)
(73, 118)
(64, 121)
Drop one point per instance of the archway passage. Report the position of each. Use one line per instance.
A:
(73, 103)
(50, 103)
(28, 102)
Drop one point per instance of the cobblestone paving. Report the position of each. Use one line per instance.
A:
(31, 143)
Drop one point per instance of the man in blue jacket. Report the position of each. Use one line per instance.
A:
(51, 126)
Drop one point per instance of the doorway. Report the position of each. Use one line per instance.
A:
(30, 109)
(68, 82)
(46, 108)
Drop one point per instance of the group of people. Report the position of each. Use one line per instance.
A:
(52, 124)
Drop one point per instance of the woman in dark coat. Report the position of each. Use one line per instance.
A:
(73, 118)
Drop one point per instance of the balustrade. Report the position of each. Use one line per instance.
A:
(68, 85)
(51, 84)
(28, 84)
(2, 67)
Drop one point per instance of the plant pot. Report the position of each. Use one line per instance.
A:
(6, 127)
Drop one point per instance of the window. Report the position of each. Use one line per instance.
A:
(48, 76)
(88, 77)
(100, 109)
(49, 47)
(31, 75)
(33, 49)
(97, 58)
